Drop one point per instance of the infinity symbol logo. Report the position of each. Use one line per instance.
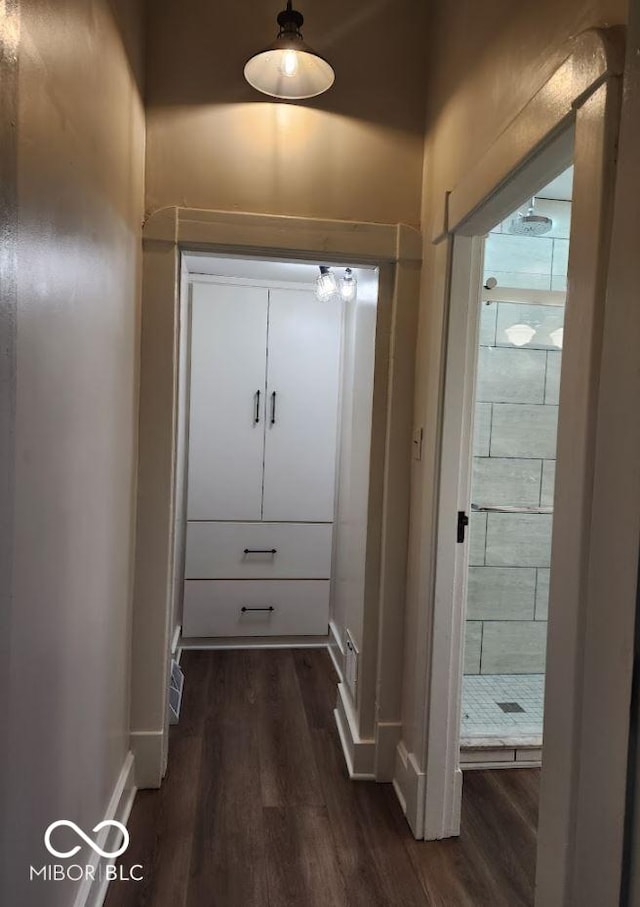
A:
(74, 850)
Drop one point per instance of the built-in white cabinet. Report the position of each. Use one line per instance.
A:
(227, 402)
(263, 422)
(303, 372)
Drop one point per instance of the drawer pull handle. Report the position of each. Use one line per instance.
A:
(260, 550)
(257, 401)
(244, 609)
(273, 408)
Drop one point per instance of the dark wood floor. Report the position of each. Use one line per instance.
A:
(257, 808)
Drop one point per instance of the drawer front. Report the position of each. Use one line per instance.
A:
(258, 551)
(287, 608)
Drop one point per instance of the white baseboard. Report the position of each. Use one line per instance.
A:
(336, 650)
(409, 785)
(175, 643)
(400, 795)
(92, 893)
(359, 754)
(148, 747)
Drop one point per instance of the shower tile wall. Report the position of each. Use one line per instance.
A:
(514, 453)
(531, 262)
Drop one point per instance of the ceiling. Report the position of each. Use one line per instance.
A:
(272, 270)
(561, 188)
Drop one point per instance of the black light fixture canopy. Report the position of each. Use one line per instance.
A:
(289, 68)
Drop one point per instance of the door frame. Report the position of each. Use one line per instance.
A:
(442, 808)
(373, 725)
(577, 110)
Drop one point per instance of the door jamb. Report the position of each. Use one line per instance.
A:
(442, 811)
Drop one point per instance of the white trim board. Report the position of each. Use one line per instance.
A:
(359, 754)
(93, 893)
(299, 238)
(409, 784)
(442, 726)
(336, 643)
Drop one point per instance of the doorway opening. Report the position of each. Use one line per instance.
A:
(273, 455)
(517, 363)
(372, 489)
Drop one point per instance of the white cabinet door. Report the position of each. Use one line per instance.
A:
(227, 412)
(302, 407)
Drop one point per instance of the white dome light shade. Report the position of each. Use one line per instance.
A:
(520, 334)
(289, 73)
(289, 68)
(557, 337)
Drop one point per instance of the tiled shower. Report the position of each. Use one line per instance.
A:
(515, 427)
(513, 466)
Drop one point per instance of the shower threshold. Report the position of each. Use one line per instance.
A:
(501, 723)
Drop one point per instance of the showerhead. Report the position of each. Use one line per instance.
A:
(531, 224)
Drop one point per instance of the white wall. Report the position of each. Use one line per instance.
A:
(78, 150)
(182, 441)
(354, 459)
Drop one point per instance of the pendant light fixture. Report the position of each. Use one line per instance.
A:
(326, 285)
(348, 286)
(329, 287)
(289, 68)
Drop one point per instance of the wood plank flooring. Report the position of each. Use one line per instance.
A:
(257, 809)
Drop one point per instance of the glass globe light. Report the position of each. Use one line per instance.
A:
(326, 285)
(348, 286)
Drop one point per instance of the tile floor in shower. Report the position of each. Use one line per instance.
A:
(518, 722)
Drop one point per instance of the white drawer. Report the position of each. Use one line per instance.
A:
(287, 608)
(258, 551)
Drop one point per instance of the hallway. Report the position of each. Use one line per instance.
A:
(257, 808)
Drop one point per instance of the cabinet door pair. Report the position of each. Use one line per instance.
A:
(265, 371)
